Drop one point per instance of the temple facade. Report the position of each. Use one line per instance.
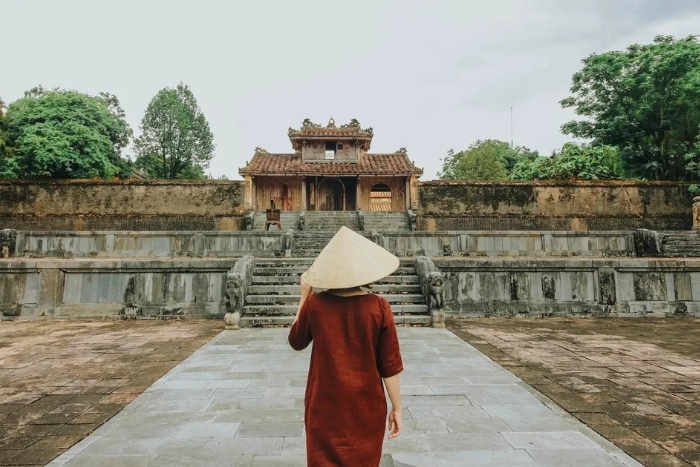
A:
(331, 169)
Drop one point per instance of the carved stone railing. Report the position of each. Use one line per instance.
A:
(8, 241)
(301, 222)
(238, 279)
(696, 213)
(287, 243)
(376, 237)
(249, 220)
(412, 218)
(432, 285)
(361, 220)
(647, 243)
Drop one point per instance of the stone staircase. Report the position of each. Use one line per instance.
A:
(273, 297)
(308, 244)
(288, 219)
(680, 244)
(331, 220)
(387, 221)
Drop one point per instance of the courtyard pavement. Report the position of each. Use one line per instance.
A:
(238, 401)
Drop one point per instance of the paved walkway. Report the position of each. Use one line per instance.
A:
(238, 401)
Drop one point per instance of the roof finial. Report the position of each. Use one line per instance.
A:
(331, 123)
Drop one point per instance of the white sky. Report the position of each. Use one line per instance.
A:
(429, 75)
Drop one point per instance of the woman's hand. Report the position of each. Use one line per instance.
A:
(306, 289)
(395, 423)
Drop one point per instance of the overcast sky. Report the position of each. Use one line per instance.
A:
(428, 75)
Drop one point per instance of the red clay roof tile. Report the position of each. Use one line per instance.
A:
(369, 164)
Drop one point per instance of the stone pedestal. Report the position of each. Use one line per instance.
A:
(696, 213)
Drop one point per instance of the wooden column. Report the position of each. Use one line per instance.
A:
(303, 194)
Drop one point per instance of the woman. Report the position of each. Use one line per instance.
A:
(355, 348)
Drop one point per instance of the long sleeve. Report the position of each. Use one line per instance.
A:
(389, 362)
(300, 332)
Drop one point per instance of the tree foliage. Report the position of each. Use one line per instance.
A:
(573, 162)
(176, 141)
(64, 134)
(646, 102)
(484, 160)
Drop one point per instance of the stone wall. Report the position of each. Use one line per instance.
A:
(176, 244)
(549, 287)
(121, 205)
(143, 288)
(561, 206)
(112, 288)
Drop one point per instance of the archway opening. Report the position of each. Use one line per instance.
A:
(380, 198)
(331, 195)
(281, 194)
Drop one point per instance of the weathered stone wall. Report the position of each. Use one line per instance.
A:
(112, 288)
(473, 287)
(548, 287)
(121, 205)
(561, 206)
(175, 244)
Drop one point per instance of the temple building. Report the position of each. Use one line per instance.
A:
(331, 169)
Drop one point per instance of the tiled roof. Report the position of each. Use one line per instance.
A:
(369, 164)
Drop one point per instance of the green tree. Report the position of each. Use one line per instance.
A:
(484, 160)
(573, 162)
(8, 168)
(645, 101)
(176, 141)
(64, 134)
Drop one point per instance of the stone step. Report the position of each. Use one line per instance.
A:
(291, 310)
(298, 270)
(294, 279)
(294, 299)
(277, 289)
(280, 321)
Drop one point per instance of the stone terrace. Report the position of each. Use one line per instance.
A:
(59, 381)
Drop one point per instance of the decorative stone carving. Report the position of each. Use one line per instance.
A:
(436, 290)
(331, 123)
(696, 213)
(376, 237)
(301, 222)
(287, 242)
(8, 239)
(238, 279)
(412, 218)
(433, 286)
(361, 220)
(402, 151)
(446, 249)
(259, 150)
(354, 123)
(307, 123)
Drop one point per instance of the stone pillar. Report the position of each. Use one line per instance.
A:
(414, 192)
(408, 194)
(248, 192)
(696, 213)
(303, 194)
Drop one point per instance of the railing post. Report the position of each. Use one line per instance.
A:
(433, 286)
(696, 213)
(238, 279)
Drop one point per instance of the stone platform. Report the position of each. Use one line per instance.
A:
(239, 401)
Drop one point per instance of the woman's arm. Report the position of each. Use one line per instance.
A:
(395, 417)
(306, 290)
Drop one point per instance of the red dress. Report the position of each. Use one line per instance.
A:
(355, 346)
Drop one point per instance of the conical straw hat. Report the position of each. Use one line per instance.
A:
(350, 260)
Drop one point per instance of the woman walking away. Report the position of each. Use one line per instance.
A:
(355, 348)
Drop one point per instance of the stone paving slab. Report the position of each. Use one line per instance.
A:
(636, 382)
(239, 401)
(60, 380)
